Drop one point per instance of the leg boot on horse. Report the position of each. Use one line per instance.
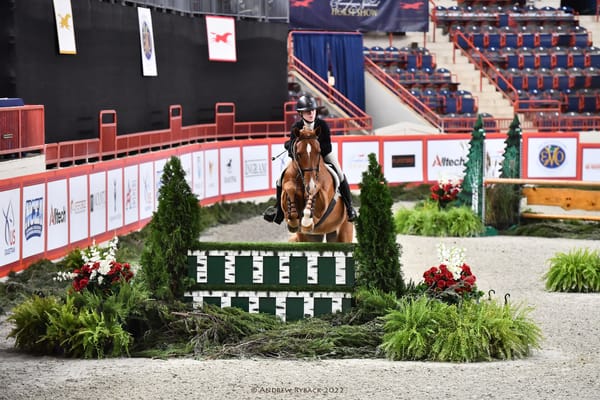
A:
(347, 198)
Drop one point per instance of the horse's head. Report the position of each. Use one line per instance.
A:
(307, 150)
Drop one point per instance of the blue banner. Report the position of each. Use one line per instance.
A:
(360, 15)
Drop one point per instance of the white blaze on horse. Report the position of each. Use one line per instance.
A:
(313, 209)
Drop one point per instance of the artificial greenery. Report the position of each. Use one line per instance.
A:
(174, 228)
(425, 329)
(575, 271)
(427, 219)
(377, 254)
(473, 172)
(502, 204)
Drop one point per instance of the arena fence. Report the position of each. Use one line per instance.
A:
(289, 280)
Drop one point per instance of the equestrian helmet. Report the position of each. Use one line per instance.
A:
(306, 103)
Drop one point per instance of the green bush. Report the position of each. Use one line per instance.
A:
(425, 329)
(427, 219)
(575, 271)
(31, 319)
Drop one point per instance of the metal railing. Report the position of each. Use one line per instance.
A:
(267, 10)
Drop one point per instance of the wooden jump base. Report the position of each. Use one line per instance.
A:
(571, 196)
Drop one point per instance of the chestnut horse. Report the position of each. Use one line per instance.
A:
(313, 209)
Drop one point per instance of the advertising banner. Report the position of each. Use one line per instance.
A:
(58, 218)
(230, 170)
(220, 32)
(78, 208)
(198, 168)
(65, 27)
(148, 51)
(115, 198)
(552, 157)
(446, 158)
(279, 163)
(255, 167)
(131, 194)
(403, 161)
(590, 164)
(211, 168)
(356, 159)
(97, 203)
(360, 15)
(9, 244)
(146, 190)
(34, 212)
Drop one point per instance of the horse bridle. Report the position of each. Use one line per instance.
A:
(302, 171)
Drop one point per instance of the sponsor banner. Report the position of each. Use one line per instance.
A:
(279, 164)
(114, 201)
(446, 158)
(131, 187)
(255, 167)
(199, 181)
(590, 164)
(403, 161)
(58, 217)
(220, 33)
(552, 157)
(34, 212)
(65, 27)
(211, 168)
(159, 166)
(356, 159)
(10, 201)
(147, 48)
(146, 190)
(186, 165)
(360, 15)
(78, 208)
(97, 203)
(494, 155)
(230, 170)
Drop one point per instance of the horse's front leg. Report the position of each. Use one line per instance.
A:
(308, 213)
(290, 209)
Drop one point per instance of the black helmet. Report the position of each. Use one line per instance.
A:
(306, 103)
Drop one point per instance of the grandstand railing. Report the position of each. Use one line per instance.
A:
(110, 145)
(268, 10)
(21, 131)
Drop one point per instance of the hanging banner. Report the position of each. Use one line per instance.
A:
(220, 32)
(65, 28)
(147, 42)
(360, 15)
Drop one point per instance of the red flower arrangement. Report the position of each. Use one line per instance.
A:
(445, 191)
(92, 276)
(100, 270)
(452, 280)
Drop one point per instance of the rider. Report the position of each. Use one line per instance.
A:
(306, 107)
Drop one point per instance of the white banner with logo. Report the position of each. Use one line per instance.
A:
(148, 51)
(34, 212)
(9, 245)
(403, 161)
(230, 170)
(256, 171)
(65, 27)
(552, 157)
(446, 158)
(211, 172)
(355, 158)
(146, 190)
(220, 33)
(131, 194)
(58, 218)
(78, 208)
(115, 198)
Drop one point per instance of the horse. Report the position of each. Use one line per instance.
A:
(312, 207)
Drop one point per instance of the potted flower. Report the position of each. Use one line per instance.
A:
(445, 191)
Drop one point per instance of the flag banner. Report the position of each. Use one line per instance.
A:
(65, 28)
(360, 15)
(147, 42)
(220, 32)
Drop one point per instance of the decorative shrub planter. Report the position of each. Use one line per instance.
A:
(290, 280)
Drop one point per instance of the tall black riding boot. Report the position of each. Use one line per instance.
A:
(275, 213)
(347, 198)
